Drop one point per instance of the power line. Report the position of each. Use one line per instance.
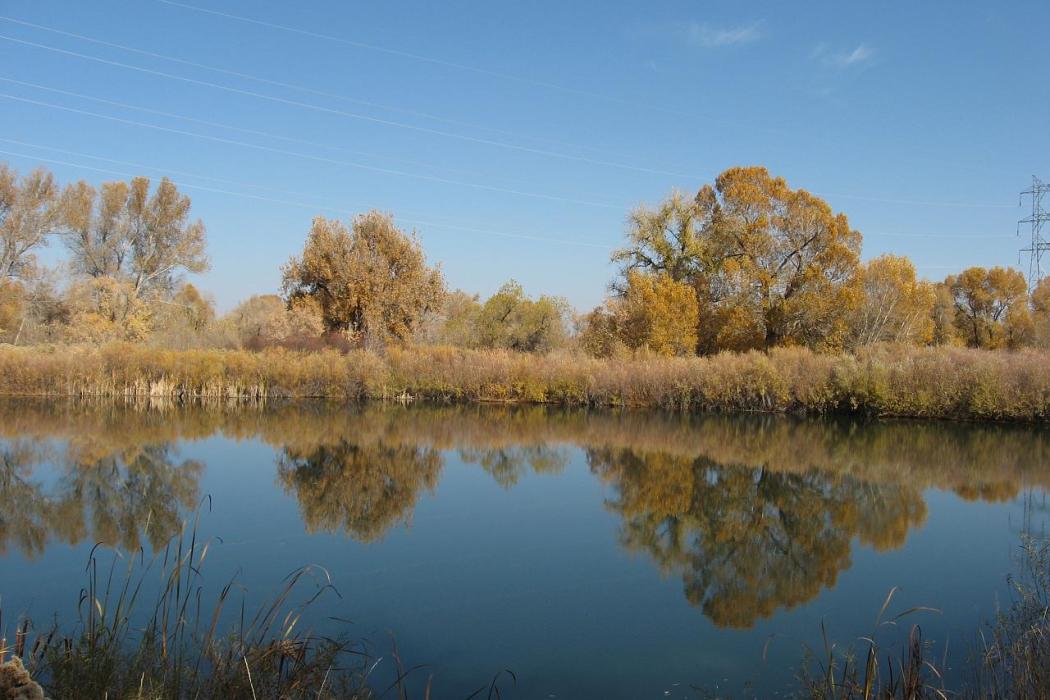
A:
(1038, 217)
(423, 58)
(464, 137)
(322, 159)
(290, 86)
(231, 127)
(311, 206)
(346, 114)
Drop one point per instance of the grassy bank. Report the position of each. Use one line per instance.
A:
(882, 380)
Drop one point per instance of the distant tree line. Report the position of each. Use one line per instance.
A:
(747, 263)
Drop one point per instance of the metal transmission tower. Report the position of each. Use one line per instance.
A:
(1039, 244)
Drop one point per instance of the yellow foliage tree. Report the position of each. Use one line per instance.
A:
(658, 313)
(896, 306)
(1041, 312)
(769, 265)
(991, 307)
(30, 210)
(370, 281)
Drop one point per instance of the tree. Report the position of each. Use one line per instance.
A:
(106, 308)
(671, 239)
(186, 320)
(991, 308)
(510, 319)
(658, 313)
(785, 270)
(942, 315)
(124, 233)
(267, 318)
(454, 323)
(30, 211)
(769, 265)
(371, 282)
(895, 306)
(1041, 312)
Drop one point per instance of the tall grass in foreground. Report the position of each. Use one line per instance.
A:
(884, 380)
(1013, 661)
(177, 646)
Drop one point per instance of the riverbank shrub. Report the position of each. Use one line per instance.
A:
(881, 380)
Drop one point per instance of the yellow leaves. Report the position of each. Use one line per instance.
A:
(769, 265)
(658, 313)
(991, 307)
(370, 281)
(895, 306)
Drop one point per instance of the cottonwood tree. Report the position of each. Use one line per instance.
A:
(371, 281)
(510, 319)
(671, 239)
(1041, 312)
(785, 265)
(895, 305)
(769, 265)
(991, 307)
(658, 313)
(30, 211)
(123, 232)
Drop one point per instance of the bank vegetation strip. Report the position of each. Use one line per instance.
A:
(881, 380)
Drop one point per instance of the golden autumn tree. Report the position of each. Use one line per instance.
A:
(785, 265)
(671, 239)
(123, 232)
(1041, 312)
(896, 306)
(991, 307)
(769, 265)
(30, 211)
(658, 313)
(370, 281)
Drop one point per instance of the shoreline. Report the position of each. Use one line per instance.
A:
(889, 381)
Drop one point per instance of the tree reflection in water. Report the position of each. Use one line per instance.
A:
(754, 514)
(360, 489)
(748, 540)
(126, 498)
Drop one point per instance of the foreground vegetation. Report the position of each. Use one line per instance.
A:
(881, 380)
(174, 647)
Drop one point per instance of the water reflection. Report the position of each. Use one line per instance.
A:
(126, 498)
(360, 489)
(754, 514)
(750, 540)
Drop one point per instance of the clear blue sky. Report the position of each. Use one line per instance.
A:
(515, 137)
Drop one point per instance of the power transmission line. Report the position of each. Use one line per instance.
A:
(231, 127)
(293, 86)
(322, 159)
(305, 205)
(346, 114)
(1038, 244)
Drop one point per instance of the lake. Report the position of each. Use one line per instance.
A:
(593, 553)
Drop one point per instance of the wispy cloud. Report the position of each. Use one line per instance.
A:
(843, 59)
(711, 37)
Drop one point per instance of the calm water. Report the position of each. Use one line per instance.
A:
(596, 554)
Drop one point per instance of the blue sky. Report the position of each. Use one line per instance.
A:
(516, 137)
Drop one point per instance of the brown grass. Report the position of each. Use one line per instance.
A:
(882, 380)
